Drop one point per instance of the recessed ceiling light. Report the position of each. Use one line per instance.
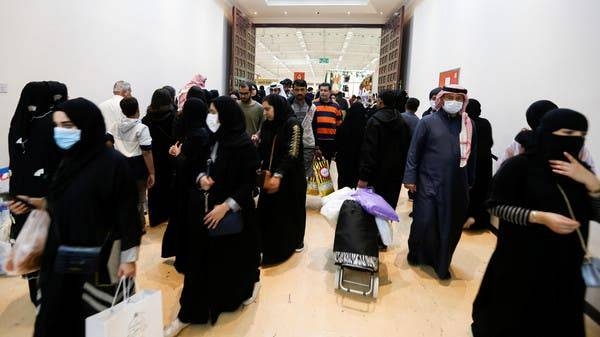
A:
(285, 13)
(348, 12)
(255, 13)
(381, 12)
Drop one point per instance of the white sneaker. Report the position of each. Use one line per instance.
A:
(175, 328)
(254, 294)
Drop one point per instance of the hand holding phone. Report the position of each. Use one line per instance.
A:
(18, 199)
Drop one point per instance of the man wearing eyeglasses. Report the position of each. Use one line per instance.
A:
(253, 111)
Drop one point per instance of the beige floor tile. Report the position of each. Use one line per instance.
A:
(297, 298)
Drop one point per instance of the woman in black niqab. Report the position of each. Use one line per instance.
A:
(33, 155)
(533, 284)
(190, 152)
(534, 115)
(159, 119)
(349, 139)
(478, 216)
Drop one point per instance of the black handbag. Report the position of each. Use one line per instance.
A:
(232, 223)
(80, 260)
(590, 268)
(77, 260)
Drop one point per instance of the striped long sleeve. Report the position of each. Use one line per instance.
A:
(514, 214)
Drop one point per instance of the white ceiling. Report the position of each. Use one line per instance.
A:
(329, 11)
(282, 51)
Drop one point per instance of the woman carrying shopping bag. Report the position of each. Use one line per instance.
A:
(92, 203)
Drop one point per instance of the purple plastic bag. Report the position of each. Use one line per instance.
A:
(374, 204)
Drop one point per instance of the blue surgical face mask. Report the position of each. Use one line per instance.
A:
(66, 138)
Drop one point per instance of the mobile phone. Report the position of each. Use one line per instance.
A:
(9, 197)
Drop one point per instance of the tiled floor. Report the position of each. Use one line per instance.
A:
(297, 298)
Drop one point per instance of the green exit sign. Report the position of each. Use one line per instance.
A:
(323, 59)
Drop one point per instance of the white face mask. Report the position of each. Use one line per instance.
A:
(432, 104)
(212, 121)
(453, 107)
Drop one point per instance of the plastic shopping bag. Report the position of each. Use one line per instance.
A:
(323, 176)
(5, 223)
(312, 188)
(25, 256)
(385, 232)
(374, 204)
(333, 203)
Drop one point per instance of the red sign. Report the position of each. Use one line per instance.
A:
(449, 77)
(299, 75)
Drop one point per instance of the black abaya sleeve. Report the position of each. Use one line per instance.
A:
(293, 150)
(248, 159)
(126, 200)
(509, 183)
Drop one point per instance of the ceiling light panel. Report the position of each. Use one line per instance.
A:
(317, 2)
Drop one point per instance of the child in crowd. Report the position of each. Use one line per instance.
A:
(132, 138)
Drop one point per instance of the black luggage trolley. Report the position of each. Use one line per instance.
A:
(356, 247)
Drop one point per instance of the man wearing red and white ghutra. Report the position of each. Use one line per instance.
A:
(440, 169)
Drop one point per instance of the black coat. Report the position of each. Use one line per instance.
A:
(483, 175)
(383, 153)
(349, 138)
(159, 196)
(195, 150)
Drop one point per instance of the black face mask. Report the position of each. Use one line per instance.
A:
(553, 146)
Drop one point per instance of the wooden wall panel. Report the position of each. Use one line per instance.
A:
(243, 49)
(391, 53)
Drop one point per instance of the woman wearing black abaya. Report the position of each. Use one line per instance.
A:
(92, 202)
(478, 217)
(349, 139)
(191, 152)
(159, 119)
(33, 154)
(224, 273)
(281, 206)
(533, 284)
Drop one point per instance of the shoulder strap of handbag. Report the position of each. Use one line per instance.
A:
(272, 151)
(583, 245)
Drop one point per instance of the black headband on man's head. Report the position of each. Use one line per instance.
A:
(455, 90)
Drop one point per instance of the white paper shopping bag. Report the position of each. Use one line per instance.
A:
(138, 316)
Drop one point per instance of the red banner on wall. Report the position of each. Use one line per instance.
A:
(299, 75)
(449, 77)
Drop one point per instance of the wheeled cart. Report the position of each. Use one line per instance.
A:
(356, 248)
